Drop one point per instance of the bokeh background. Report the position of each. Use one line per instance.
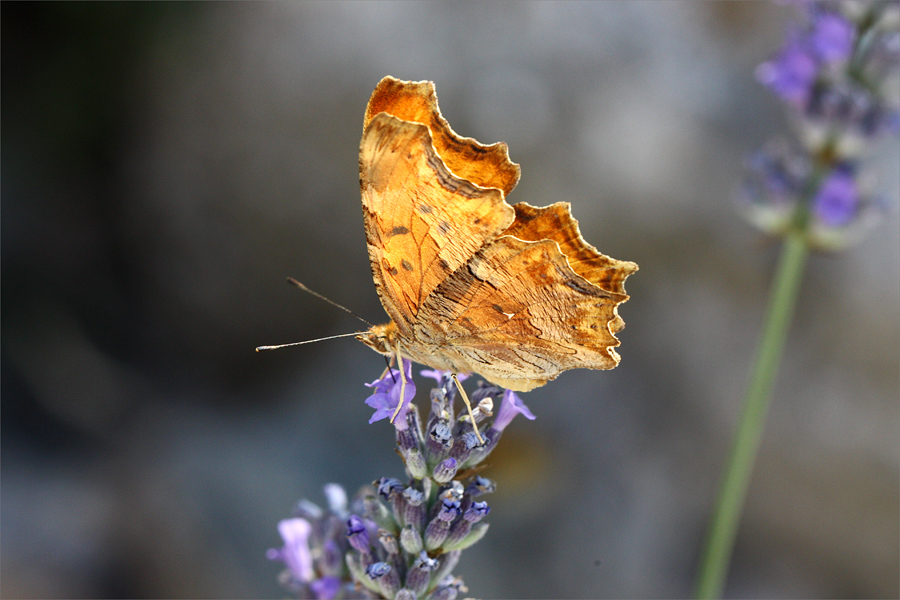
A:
(165, 166)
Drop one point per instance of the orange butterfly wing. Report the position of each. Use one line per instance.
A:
(422, 221)
(471, 283)
(519, 315)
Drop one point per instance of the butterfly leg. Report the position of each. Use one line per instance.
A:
(402, 384)
(468, 406)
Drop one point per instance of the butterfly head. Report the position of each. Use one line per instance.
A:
(381, 338)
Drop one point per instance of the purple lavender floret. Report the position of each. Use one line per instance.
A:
(510, 407)
(832, 36)
(791, 74)
(295, 553)
(837, 200)
(357, 534)
(326, 588)
(387, 395)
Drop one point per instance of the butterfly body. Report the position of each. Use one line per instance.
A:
(472, 284)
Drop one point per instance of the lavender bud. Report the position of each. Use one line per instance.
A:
(419, 576)
(411, 437)
(445, 470)
(357, 534)
(377, 570)
(439, 527)
(450, 590)
(448, 561)
(406, 438)
(476, 512)
(390, 584)
(388, 487)
(457, 534)
(378, 512)
(406, 594)
(475, 533)
(453, 491)
(440, 440)
(439, 405)
(444, 592)
(481, 485)
(483, 409)
(462, 446)
(399, 505)
(358, 571)
(415, 463)
(449, 510)
(388, 541)
(386, 577)
(435, 534)
(485, 391)
(411, 540)
(332, 559)
(415, 423)
(414, 513)
(480, 451)
(336, 497)
(305, 509)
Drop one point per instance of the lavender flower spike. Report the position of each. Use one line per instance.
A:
(837, 74)
(397, 539)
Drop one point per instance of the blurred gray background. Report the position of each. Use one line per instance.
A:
(166, 166)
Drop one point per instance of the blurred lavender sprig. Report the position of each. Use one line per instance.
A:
(837, 75)
(402, 539)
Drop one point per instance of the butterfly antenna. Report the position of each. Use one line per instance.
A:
(330, 337)
(387, 361)
(329, 301)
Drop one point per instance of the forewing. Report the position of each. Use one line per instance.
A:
(416, 101)
(422, 222)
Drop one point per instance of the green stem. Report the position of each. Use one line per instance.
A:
(724, 523)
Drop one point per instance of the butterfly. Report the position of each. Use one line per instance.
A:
(471, 283)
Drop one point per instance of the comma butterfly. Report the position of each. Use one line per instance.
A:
(472, 284)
